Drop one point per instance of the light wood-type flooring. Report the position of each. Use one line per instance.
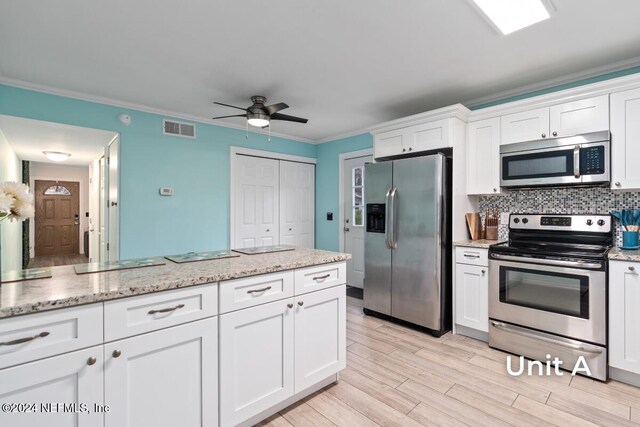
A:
(400, 377)
(54, 260)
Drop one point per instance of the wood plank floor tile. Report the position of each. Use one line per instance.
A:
(379, 372)
(389, 395)
(336, 410)
(430, 416)
(549, 413)
(635, 415)
(301, 414)
(396, 341)
(449, 405)
(372, 343)
(506, 413)
(369, 406)
(274, 421)
(589, 412)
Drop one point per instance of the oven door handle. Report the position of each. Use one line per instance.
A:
(533, 335)
(558, 262)
(576, 161)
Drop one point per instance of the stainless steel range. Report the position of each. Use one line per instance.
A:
(548, 289)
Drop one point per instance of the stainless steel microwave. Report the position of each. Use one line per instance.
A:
(574, 160)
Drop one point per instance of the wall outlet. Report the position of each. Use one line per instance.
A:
(166, 191)
(504, 218)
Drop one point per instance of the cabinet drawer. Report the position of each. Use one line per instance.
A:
(40, 335)
(137, 315)
(320, 277)
(472, 256)
(251, 291)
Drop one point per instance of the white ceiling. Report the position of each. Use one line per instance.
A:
(344, 65)
(29, 138)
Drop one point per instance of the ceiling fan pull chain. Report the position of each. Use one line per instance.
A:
(247, 126)
(269, 132)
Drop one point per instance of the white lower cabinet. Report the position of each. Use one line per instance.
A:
(320, 335)
(624, 316)
(270, 352)
(256, 360)
(163, 378)
(72, 379)
(472, 290)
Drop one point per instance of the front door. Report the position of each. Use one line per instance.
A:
(353, 227)
(57, 217)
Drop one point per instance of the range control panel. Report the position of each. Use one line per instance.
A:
(583, 223)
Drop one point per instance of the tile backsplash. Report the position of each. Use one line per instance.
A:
(563, 200)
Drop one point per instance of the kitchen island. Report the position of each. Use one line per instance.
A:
(223, 342)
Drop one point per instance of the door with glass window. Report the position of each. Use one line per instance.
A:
(353, 227)
(57, 217)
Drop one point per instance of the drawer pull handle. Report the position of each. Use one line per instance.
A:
(471, 256)
(257, 291)
(322, 277)
(166, 310)
(24, 340)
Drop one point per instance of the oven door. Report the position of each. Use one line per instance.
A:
(549, 166)
(560, 300)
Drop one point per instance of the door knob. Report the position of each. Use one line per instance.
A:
(346, 229)
(114, 203)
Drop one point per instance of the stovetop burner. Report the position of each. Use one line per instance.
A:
(558, 236)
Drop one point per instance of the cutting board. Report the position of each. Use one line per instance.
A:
(474, 225)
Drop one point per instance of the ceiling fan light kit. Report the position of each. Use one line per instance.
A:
(260, 115)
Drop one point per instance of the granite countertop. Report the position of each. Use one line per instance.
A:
(624, 255)
(482, 243)
(66, 288)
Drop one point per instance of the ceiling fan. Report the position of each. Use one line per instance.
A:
(259, 115)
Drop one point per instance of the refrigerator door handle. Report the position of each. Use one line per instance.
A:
(387, 214)
(392, 220)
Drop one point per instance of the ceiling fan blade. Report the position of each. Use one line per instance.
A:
(271, 109)
(285, 117)
(224, 117)
(232, 106)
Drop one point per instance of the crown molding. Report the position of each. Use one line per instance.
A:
(137, 107)
(458, 111)
(559, 81)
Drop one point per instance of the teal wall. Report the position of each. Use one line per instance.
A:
(327, 232)
(197, 216)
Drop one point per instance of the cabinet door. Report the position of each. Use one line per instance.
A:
(389, 143)
(624, 316)
(256, 202)
(164, 378)
(585, 115)
(427, 136)
(525, 126)
(72, 379)
(320, 341)
(472, 297)
(625, 139)
(256, 360)
(297, 211)
(483, 157)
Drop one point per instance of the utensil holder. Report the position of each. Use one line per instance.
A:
(630, 239)
(492, 232)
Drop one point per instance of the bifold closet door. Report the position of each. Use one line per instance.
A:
(297, 204)
(256, 202)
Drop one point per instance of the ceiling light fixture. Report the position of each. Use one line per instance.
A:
(258, 119)
(56, 156)
(513, 15)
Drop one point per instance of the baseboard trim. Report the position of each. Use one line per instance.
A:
(472, 333)
(624, 376)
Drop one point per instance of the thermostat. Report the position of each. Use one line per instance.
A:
(166, 191)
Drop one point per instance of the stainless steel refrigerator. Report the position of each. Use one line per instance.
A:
(408, 241)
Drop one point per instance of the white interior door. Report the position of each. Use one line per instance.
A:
(354, 217)
(297, 196)
(256, 204)
(113, 243)
(103, 225)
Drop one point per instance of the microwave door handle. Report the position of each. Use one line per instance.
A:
(387, 214)
(576, 161)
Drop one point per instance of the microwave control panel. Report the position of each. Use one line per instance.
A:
(592, 160)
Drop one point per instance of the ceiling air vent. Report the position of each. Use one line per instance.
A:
(185, 130)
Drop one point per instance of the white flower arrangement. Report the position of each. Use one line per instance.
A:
(16, 203)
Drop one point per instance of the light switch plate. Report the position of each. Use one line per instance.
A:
(504, 218)
(166, 191)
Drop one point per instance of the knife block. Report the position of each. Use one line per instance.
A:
(492, 232)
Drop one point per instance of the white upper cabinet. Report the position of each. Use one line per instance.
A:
(413, 139)
(483, 157)
(388, 143)
(583, 116)
(525, 126)
(625, 139)
(569, 118)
